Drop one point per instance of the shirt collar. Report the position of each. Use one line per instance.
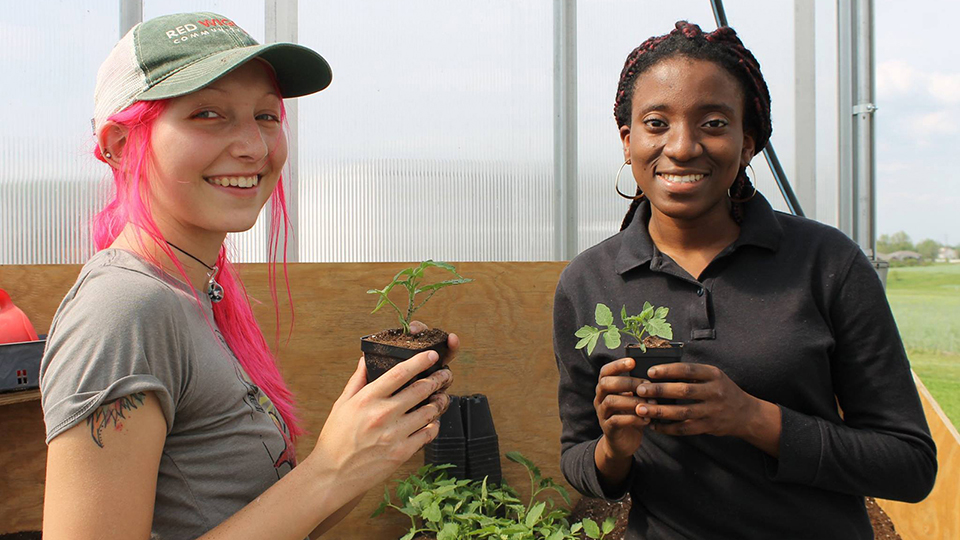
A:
(760, 228)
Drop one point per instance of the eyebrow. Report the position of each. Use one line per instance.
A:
(722, 107)
(213, 86)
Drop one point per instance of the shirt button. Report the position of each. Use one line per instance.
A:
(700, 291)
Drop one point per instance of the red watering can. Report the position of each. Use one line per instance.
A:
(14, 324)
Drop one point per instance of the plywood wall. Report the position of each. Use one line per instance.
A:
(504, 320)
(938, 516)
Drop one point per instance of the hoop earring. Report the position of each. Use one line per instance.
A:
(617, 184)
(752, 195)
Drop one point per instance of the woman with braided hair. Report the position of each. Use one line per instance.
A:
(796, 398)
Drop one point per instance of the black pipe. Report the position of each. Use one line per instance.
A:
(769, 153)
(793, 204)
(718, 14)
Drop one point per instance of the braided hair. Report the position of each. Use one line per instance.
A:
(722, 47)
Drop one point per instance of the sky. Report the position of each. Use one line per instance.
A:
(918, 131)
(406, 87)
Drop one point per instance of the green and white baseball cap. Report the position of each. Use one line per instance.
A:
(177, 54)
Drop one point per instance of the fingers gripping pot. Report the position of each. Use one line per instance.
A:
(671, 352)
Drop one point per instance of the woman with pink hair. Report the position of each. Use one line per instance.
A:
(166, 415)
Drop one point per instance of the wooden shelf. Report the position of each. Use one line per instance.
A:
(19, 397)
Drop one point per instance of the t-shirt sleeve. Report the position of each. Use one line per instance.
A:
(883, 447)
(115, 334)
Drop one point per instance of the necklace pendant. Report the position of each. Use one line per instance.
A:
(214, 289)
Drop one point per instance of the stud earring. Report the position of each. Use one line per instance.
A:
(107, 155)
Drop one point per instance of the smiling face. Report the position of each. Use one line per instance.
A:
(218, 154)
(686, 139)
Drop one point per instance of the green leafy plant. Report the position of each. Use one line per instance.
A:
(651, 321)
(412, 279)
(452, 509)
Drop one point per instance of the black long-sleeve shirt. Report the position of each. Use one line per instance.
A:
(794, 314)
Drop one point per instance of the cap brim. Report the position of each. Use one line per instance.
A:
(299, 70)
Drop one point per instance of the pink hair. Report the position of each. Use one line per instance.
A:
(233, 315)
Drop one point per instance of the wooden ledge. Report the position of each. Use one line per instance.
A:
(19, 397)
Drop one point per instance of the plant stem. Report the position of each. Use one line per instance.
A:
(411, 291)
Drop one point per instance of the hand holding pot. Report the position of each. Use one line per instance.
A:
(720, 407)
(371, 431)
(616, 401)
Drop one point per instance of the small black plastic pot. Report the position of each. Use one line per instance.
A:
(652, 357)
(450, 446)
(380, 357)
(483, 448)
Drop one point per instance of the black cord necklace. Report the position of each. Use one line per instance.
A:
(214, 290)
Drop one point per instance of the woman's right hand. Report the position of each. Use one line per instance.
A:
(616, 403)
(370, 431)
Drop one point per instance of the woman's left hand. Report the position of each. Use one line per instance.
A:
(719, 407)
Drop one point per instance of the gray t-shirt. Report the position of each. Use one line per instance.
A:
(127, 327)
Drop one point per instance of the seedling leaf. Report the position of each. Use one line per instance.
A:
(534, 515)
(517, 457)
(603, 315)
(585, 331)
(593, 343)
(432, 512)
(611, 338)
(591, 528)
(450, 531)
(608, 525)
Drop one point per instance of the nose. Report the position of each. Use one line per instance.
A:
(249, 141)
(683, 143)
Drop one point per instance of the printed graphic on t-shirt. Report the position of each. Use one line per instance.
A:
(260, 403)
(285, 458)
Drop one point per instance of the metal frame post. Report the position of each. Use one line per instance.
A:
(281, 24)
(845, 78)
(857, 137)
(566, 236)
(805, 104)
(864, 134)
(131, 13)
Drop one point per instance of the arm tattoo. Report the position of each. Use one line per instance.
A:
(112, 412)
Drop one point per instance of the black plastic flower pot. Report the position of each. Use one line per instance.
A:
(379, 357)
(652, 357)
(483, 451)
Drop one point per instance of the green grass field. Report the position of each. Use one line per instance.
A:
(926, 303)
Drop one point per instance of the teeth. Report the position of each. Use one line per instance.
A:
(235, 181)
(685, 179)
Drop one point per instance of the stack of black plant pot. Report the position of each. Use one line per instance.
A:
(483, 449)
(467, 425)
(450, 446)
